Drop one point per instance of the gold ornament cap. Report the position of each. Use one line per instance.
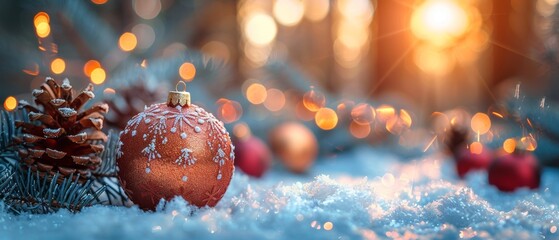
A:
(179, 98)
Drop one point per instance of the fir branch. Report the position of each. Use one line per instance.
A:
(24, 191)
(8, 131)
(106, 175)
(114, 194)
(108, 165)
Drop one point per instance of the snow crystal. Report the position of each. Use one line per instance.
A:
(58, 101)
(67, 112)
(357, 199)
(186, 158)
(90, 94)
(37, 92)
(151, 152)
(66, 84)
(49, 132)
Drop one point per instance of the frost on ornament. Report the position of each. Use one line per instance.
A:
(186, 158)
(157, 127)
(150, 152)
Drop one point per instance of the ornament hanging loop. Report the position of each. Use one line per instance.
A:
(180, 83)
(179, 98)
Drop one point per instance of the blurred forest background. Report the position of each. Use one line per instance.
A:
(269, 57)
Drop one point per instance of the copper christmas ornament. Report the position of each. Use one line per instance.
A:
(295, 145)
(175, 149)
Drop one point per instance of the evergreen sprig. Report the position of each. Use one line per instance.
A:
(25, 191)
(22, 190)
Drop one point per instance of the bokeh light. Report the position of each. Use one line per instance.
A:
(328, 226)
(256, 93)
(241, 130)
(509, 145)
(42, 29)
(439, 21)
(397, 124)
(316, 10)
(217, 49)
(314, 100)
(32, 69)
(363, 114)
(147, 9)
(89, 66)
(98, 76)
(40, 18)
(275, 100)
(528, 143)
(288, 12)
(481, 123)
(326, 119)
(476, 148)
(258, 55)
(358, 130)
(109, 92)
(229, 111)
(58, 65)
(145, 35)
(356, 10)
(260, 29)
(187, 71)
(10, 103)
(352, 35)
(433, 60)
(406, 118)
(99, 2)
(127, 41)
(384, 113)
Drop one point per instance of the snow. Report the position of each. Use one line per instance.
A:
(362, 194)
(67, 112)
(186, 158)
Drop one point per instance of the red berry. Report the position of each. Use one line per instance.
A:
(252, 156)
(512, 171)
(468, 161)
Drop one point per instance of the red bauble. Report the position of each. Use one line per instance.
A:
(169, 151)
(252, 156)
(512, 171)
(468, 161)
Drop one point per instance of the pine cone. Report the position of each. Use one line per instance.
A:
(456, 138)
(131, 101)
(59, 137)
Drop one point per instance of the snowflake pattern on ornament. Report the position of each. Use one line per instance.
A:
(156, 121)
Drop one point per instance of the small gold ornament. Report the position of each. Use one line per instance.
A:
(179, 98)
